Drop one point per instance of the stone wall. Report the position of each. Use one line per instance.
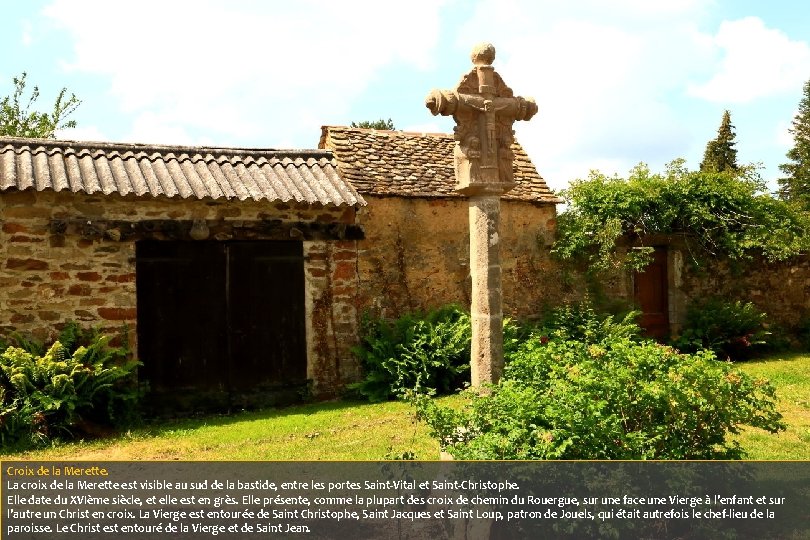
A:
(66, 256)
(782, 290)
(416, 255)
(331, 299)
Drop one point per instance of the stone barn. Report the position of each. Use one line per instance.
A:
(415, 255)
(233, 269)
(241, 274)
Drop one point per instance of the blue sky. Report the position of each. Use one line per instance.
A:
(616, 82)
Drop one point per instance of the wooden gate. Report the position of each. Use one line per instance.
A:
(651, 293)
(221, 324)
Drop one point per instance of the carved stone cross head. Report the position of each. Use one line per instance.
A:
(484, 109)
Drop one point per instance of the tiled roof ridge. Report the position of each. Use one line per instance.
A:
(412, 164)
(398, 132)
(123, 148)
(308, 176)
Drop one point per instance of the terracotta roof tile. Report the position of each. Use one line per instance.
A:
(309, 176)
(380, 162)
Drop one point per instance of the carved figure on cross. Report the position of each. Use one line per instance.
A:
(484, 109)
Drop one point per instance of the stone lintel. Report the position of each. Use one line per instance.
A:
(178, 229)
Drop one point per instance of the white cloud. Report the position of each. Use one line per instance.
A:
(81, 133)
(603, 75)
(242, 71)
(429, 127)
(757, 62)
(612, 79)
(784, 137)
(26, 38)
(150, 127)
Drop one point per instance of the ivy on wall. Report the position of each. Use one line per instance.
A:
(717, 214)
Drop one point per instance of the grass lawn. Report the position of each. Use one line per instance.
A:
(790, 374)
(339, 430)
(361, 431)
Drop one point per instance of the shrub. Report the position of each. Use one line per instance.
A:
(47, 396)
(616, 399)
(729, 329)
(581, 322)
(726, 214)
(15, 339)
(417, 351)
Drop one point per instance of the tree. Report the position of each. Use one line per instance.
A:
(720, 153)
(17, 120)
(796, 184)
(377, 124)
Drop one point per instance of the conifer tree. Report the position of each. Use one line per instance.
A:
(720, 154)
(796, 183)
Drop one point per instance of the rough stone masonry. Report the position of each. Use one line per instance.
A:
(484, 110)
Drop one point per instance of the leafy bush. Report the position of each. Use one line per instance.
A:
(726, 214)
(615, 399)
(416, 351)
(581, 322)
(15, 339)
(729, 329)
(50, 395)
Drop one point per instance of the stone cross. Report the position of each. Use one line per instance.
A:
(484, 109)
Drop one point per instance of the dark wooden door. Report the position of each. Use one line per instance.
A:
(652, 295)
(219, 320)
(182, 321)
(266, 314)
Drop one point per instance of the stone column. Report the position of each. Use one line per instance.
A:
(484, 109)
(486, 310)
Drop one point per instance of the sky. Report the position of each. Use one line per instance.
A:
(617, 83)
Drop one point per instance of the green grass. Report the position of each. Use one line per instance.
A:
(339, 430)
(790, 374)
(344, 430)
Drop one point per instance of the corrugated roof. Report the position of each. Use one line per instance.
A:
(380, 162)
(308, 176)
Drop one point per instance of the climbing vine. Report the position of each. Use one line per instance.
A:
(716, 213)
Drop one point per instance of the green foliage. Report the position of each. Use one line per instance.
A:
(376, 124)
(581, 322)
(720, 154)
(17, 120)
(716, 213)
(795, 185)
(45, 396)
(616, 399)
(406, 455)
(731, 330)
(416, 351)
(15, 339)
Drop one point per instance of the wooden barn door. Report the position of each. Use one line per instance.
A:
(219, 322)
(652, 295)
(266, 316)
(182, 316)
